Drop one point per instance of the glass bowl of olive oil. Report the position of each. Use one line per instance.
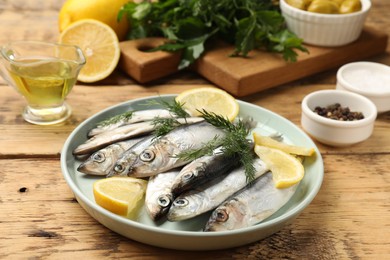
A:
(44, 74)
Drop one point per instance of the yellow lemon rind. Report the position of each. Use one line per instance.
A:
(288, 148)
(213, 100)
(286, 169)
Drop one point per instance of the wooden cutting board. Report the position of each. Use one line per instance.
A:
(245, 76)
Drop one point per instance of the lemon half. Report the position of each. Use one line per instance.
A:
(213, 100)
(99, 44)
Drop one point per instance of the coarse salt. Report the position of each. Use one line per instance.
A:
(377, 81)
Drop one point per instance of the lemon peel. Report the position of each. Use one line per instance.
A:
(288, 148)
(286, 169)
(105, 11)
(99, 44)
(213, 100)
(120, 195)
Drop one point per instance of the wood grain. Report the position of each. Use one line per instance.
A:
(41, 214)
(262, 70)
(22, 139)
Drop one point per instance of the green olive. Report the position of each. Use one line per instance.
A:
(338, 2)
(350, 6)
(300, 4)
(323, 7)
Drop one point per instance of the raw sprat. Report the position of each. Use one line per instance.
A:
(188, 177)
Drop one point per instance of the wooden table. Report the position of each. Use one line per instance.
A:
(40, 218)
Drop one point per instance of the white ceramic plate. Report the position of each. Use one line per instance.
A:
(187, 235)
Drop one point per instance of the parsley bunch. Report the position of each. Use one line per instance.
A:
(189, 24)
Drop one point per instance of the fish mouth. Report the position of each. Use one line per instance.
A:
(87, 169)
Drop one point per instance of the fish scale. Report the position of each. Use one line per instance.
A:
(211, 194)
(161, 155)
(250, 206)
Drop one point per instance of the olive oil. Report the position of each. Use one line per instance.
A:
(44, 82)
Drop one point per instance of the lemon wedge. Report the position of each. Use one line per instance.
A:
(120, 195)
(292, 149)
(213, 100)
(286, 169)
(100, 46)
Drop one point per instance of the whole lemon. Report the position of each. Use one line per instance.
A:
(105, 11)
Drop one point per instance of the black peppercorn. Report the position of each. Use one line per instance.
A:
(338, 112)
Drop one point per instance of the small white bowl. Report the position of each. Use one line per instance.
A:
(333, 132)
(328, 30)
(369, 79)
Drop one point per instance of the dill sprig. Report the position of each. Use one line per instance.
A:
(115, 119)
(207, 149)
(164, 126)
(234, 143)
(176, 108)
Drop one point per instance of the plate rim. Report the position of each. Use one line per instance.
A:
(292, 213)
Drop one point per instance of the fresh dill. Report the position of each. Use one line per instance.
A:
(176, 108)
(207, 149)
(165, 125)
(235, 141)
(115, 119)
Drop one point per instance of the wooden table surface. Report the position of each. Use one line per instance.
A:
(40, 218)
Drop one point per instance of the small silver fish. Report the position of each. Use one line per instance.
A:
(211, 194)
(124, 164)
(250, 206)
(159, 196)
(101, 162)
(162, 156)
(129, 117)
(203, 169)
(119, 134)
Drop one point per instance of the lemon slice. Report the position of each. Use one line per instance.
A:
(286, 169)
(120, 195)
(100, 46)
(293, 149)
(210, 99)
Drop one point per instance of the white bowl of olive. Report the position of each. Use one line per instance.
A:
(337, 117)
(327, 23)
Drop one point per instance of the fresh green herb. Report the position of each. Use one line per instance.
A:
(189, 24)
(235, 142)
(207, 149)
(164, 126)
(174, 107)
(115, 119)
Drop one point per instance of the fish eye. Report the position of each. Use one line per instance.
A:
(119, 168)
(188, 176)
(163, 201)
(221, 216)
(99, 157)
(181, 202)
(147, 156)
